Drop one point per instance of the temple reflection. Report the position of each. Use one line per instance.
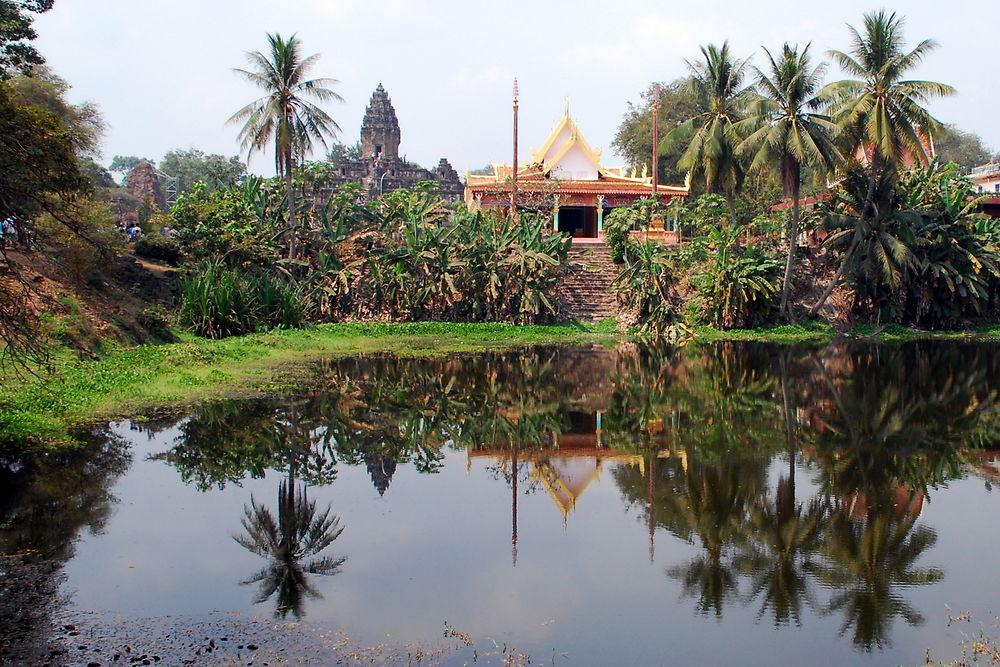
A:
(566, 463)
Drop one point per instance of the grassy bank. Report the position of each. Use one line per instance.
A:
(820, 331)
(39, 410)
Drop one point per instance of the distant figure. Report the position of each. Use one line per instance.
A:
(134, 232)
(167, 231)
(8, 232)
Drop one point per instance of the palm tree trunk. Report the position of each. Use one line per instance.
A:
(731, 201)
(855, 240)
(290, 200)
(793, 241)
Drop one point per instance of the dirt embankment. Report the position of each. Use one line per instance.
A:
(125, 299)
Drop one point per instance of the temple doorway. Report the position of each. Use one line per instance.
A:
(578, 221)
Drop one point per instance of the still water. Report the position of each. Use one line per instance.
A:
(727, 504)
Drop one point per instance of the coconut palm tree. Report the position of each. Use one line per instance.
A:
(786, 135)
(712, 137)
(880, 111)
(285, 114)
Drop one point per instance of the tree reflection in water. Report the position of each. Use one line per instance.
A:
(866, 563)
(881, 427)
(693, 433)
(298, 532)
(47, 501)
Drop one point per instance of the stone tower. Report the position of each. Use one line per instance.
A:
(380, 129)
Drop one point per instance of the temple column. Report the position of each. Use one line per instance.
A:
(555, 213)
(600, 213)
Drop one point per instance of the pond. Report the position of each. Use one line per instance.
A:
(734, 503)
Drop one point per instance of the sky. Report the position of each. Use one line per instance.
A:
(162, 71)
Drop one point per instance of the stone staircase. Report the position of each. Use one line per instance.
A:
(585, 291)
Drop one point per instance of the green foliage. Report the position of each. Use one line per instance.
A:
(708, 211)
(955, 267)
(192, 165)
(124, 164)
(38, 168)
(239, 223)
(44, 194)
(644, 286)
(966, 149)
(159, 248)
(81, 233)
(477, 267)
(710, 138)
(881, 241)
(219, 301)
(739, 283)
(880, 109)
(617, 225)
(41, 87)
(286, 114)
(784, 135)
(16, 54)
(340, 153)
(98, 175)
(925, 256)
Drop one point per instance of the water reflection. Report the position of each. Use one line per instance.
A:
(297, 532)
(46, 502)
(706, 443)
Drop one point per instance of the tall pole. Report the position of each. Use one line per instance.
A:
(656, 134)
(513, 174)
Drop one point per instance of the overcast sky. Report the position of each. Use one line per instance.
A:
(161, 71)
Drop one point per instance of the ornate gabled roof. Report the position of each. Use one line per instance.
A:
(566, 136)
(551, 152)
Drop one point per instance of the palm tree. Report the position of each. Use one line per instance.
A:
(880, 112)
(787, 136)
(285, 114)
(712, 136)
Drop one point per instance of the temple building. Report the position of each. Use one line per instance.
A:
(566, 176)
(986, 179)
(380, 168)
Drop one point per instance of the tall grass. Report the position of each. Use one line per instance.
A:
(219, 301)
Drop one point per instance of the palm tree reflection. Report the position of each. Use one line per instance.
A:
(298, 532)
(866, 562)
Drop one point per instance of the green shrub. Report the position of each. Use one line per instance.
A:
(280, 303)
(739, 284)
(616, 231)
(644, 286)
(218, 301)
(158, 248)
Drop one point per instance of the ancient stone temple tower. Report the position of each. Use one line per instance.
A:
(380, 129)
(380, 168)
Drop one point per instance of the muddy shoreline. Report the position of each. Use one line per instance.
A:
(40, 627)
